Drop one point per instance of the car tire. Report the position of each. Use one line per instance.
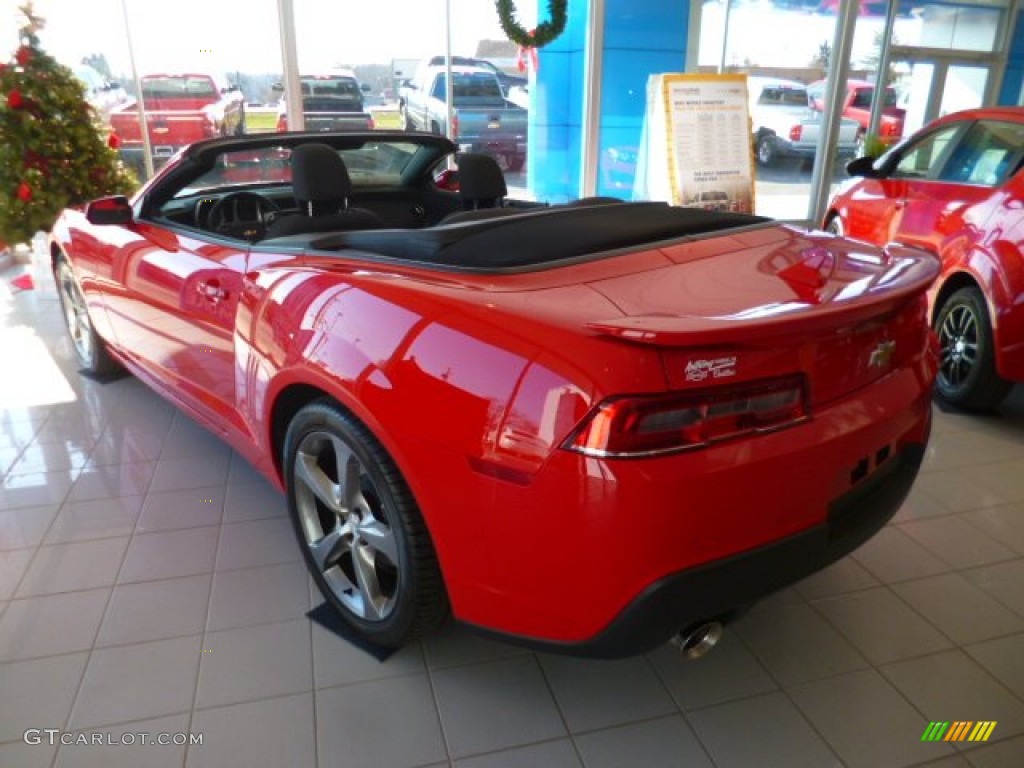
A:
(362, 535)
(89, 347)
(406, 122)
(835, 226)
(435, 128)
(967, 373)
(515, 163)
(766, 154)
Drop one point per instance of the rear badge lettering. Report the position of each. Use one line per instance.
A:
(717, 368)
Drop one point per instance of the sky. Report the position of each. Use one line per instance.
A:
(222, 36)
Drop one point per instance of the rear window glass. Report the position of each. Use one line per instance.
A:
(470, 86)
(779, 95)
(375, 163)
(178, 87)
(329, 86)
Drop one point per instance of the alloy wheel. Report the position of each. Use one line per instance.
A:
(346, 527)
(76, 314)
(958, 341)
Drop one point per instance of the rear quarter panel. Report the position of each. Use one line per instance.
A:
(465, 393)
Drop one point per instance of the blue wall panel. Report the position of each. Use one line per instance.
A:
(1012, 93)
(641, 38)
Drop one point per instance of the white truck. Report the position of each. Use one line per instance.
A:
(785, 125)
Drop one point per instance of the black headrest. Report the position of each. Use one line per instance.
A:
(319, 174)
(480, 178)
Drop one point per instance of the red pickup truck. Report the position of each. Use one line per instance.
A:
(180, 109)
(857, 106)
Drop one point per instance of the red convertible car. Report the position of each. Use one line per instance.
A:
(586, 427)
(956, 188)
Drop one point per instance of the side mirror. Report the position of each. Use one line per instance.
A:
(365, 88)
(277, 87)
(109, 210)
(863, 166)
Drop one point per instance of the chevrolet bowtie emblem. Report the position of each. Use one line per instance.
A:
(881, 355)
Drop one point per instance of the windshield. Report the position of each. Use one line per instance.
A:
(373, 164)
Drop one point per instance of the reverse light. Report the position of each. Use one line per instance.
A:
(631, 427)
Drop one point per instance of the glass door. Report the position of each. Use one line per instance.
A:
(930, 86)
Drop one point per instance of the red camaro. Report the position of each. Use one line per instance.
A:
(585, 427)
(956, 188)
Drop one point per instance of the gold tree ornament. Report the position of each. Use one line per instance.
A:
(545, 32)
(33, 23)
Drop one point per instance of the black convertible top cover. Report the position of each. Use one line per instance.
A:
(537, 237)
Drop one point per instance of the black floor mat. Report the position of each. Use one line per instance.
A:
(329, 619)
(105, 378)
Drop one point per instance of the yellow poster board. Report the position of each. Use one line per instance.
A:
(696, 149)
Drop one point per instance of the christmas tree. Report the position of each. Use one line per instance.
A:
(54, 152)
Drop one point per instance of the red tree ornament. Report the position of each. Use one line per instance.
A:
(15, 100)
(113, 141)
(24, 192)
(23, 56)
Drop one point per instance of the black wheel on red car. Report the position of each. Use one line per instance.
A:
(89, 347)
(967, 372)
(361, 533)
(835, 226)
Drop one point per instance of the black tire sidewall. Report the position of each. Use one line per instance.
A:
(977, 390)
(323, 416)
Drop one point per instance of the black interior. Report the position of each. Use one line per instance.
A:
(531, 238)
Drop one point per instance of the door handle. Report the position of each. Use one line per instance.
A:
(211, 290)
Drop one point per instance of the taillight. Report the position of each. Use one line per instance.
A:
(455, 126)
(371, 125)
(890, 129)
(796, 132)
(629, 427)
(210, 127)
(282, 124)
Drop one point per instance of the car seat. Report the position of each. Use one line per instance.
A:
(322, 189)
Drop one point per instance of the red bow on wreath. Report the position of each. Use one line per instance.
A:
(526, 58)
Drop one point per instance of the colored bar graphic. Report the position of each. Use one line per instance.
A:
(959, 730)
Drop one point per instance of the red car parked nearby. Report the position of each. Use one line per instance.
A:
(857, 106)
(583, 427)
(956, 188)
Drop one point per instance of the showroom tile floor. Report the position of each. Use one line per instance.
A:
(149, 583)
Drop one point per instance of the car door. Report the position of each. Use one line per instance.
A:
(981, 158)
(173, 302)
(877, 211)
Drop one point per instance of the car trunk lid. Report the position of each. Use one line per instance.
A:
(842, 313)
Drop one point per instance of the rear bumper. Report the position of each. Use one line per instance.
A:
(785, 148)
(718, 589)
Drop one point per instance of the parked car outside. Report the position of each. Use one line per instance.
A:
(331, 101)
(483, 119)
(784, 124)
(956, 188)
(506, 80)
(856, 99)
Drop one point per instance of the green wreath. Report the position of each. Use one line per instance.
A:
(545, 31)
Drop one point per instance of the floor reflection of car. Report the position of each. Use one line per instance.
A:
(956, 188)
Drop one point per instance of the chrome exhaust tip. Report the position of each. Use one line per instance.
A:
(694, 642)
